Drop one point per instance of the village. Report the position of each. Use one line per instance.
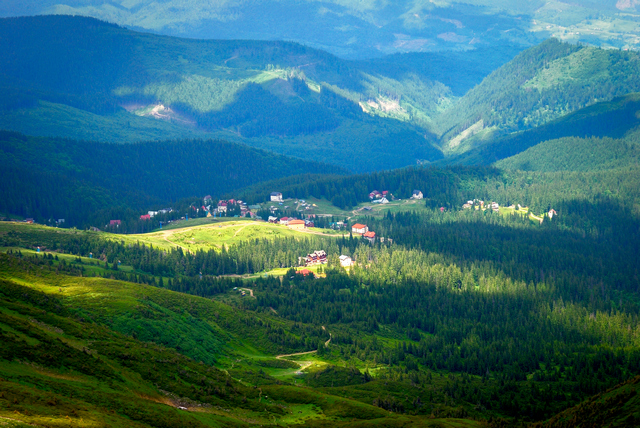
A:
(480, 205)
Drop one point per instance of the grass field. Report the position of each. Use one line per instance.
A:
(215, 234)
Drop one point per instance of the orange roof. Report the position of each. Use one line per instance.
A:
(370, 235)
(305, 272)
(359, 226)
(294, 222)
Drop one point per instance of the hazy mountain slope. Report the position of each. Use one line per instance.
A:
(359, 29)
(539, 85)
(250, 90)
(612, 119)
(80, 180)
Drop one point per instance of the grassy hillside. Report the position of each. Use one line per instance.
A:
(616, 407)
(539, 85)
(140, 86)
(83, 181)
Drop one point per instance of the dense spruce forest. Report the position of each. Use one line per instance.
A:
(499, 287)
(89, 183)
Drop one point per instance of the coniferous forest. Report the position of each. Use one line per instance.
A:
(237, 233)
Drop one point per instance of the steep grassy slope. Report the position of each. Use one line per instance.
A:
(77, 180)
(539, 85)
(616, 407)
(261, 92)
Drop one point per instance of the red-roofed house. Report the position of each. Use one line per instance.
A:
(284, 220)
(115, 223)
(360, 229)
(370, 236)
(145, 217)
(296, 224)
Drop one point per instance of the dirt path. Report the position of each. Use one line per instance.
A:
(240, 230)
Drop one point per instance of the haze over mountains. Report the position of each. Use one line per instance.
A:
(369, 28)
(322, 214)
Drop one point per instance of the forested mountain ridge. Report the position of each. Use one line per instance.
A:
(540, 84)
(262, 93)
(85, 182)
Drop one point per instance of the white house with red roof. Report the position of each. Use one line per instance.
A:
(360, 229)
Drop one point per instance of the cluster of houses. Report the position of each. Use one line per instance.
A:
(363, 230)
(292, 223)
(380, 197)
(478, 204)
(150, 214)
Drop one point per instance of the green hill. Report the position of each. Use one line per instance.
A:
(609, 120)
(84, 181)
(279, 96)
(539, 85)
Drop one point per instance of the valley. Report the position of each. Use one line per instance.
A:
(397, 214)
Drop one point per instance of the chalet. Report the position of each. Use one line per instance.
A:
(272, 219)
(417, 194)
(384, 200)
(495, 206)
(60, 221)
(551, 213)
(467, 206)
(375, 195)
(145, 217)
(207, 199)
(370, 236)
(222, 207)
(360, 229)
(285, 220)
(345, 261)
(276, 197)
(308, 223)
(115, 223)
(231, 202)
(29, 220)
(315, 258)
(296, 224)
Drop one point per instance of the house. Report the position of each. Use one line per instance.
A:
(370, 236)
(276, 197)
(272, 219)
(285, 220)
(296, 224)
(60, 221)
(467, 206)
(231, 202)
(145, 217)
(495, 206)
(360, 229)
(152, 213)
(308, 223)
(29, 220)
(551, 213)
(375, 195)
(442, 209)
(207, 199)
(222, 207)
(305, 272)
(345, 261)
(315, 258)
(115, 223)
(384, 200)
(417, 194)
